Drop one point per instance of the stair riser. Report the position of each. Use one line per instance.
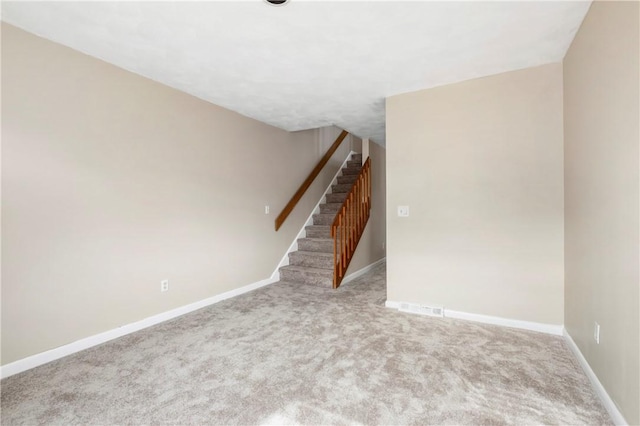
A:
(347, 179)
(298, 259)
(354, 164)
(316, 246)
(299, 277)
(318, 233)
(356, 157)
(336, 198)
(330, 208)
(350, 171)
(341, 187)
(323, 219)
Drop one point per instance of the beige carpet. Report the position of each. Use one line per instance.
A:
(295, 354)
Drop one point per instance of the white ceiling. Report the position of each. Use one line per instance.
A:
(309, 64)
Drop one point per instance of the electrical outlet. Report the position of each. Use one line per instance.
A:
(164, 285)
(596, 333)
(266, 209)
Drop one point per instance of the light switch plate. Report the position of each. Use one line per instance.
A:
(403, 211)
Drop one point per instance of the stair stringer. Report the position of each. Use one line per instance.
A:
(275, 276)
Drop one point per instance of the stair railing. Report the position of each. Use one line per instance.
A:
(309, 180)
(349, 224)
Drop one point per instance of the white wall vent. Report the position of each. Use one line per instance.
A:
(413, 308)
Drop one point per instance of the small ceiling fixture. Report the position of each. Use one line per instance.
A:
(277, 2)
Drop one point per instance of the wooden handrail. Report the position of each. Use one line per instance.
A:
(307, 183)
(349, 223)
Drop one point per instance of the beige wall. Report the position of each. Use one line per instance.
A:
(112, 182)
(328, 135)
(479, 163)
(371, 246)
(601, 111)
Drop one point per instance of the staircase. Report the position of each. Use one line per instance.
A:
(313, 262)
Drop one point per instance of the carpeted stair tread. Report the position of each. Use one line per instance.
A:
(354, 163)
(341, 187)
(324, 272)
(324, 219)
(316, 244)
(351, 171)
(307, 275)
(318, 231)
(338, 197)
(330, 207)
(311, 259)
(347, 178)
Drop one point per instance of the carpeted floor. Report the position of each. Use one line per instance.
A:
(294, 354)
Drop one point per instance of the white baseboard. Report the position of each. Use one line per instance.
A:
(608, 403)
(392, 304)
(361, 272)
(486, 319)
(97, 339)
(554, 329)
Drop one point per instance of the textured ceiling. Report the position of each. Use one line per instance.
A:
(308, 64)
